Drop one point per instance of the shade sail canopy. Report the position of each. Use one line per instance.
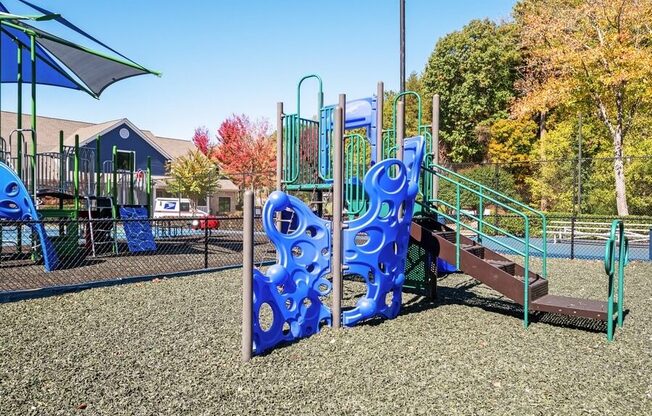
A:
(60, 62)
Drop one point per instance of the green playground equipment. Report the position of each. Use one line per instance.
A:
(306, 164)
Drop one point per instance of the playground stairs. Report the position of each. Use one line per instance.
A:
(498, 272)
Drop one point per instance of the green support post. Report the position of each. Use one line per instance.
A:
(19, 112)
(132, 165)
(148, 186)
(62, 167)
(114, 175)
(98, 162)
(32, 54)
(76, 173)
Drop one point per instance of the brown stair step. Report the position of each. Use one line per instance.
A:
(506, 265)
(446, 235)
(565, 305)
(475, 249)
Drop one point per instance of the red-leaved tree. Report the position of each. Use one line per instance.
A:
(245, 151)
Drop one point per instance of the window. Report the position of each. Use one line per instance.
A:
(125, 160)
(185, 207)
(224, 204)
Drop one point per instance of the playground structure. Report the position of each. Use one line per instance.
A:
(390, 228)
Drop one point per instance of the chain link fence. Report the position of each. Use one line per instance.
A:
(94, 252)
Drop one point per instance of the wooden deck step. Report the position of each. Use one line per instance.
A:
(565, 305)
(446, 235)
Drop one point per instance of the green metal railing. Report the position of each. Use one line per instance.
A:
(484, 194)
(610, 268)
(356, 155)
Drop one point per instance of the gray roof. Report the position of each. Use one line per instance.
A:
(48, 129)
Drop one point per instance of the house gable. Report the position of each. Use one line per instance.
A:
(128, 138)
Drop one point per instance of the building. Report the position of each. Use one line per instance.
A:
(130, 140)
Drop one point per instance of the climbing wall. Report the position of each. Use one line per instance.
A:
(138, 229)
(288, 296)
(16, 204)
(376, 243)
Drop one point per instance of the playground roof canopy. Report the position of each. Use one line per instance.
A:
(59, 62)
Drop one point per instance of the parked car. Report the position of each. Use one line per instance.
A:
(209, 222)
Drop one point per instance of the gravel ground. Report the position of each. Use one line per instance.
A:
(172, 347)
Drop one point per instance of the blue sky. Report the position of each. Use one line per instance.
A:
(224, 57)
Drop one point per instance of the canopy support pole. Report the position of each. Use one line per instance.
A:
(32, 56)
(19, 112)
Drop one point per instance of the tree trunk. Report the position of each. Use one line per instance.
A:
(542, 153)
(619, 174)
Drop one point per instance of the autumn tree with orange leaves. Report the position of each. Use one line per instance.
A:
(244, 150)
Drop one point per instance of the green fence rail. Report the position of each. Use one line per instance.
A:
(356, 160)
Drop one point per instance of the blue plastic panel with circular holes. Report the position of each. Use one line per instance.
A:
(376, 243)
(288, 296)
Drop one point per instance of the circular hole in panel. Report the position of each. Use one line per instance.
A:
(296, 251)
(371, 277)
(280, 289)
(385, 210)
(325, 252)
(323, 288)
(286, 328)
(265, 317)
(381, 267)
(394, 171)
(395, 247)
(11, 189)
(289, 304)
(361, 238)
(307, 303)
(389, 297)
(310, 267)
(401, 211)
(311, 231)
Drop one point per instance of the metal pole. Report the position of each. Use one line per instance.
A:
(32, 55)
(579, 166)
(338, 196)
(98, 163)
(63, 159)
(131, 178)
(19, 112)
(148, 186)
(115, 175)
(279, 146)
(76, 172)
(402, 30)
(248, 276)
(400, 129)
(380, 98)
(435, 143)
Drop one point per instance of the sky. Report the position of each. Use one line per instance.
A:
(223, 57)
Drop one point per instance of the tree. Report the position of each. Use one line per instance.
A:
(193, 175)
(473, 70)
(246, 151)
(592, 54)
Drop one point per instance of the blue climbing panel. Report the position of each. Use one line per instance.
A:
(293, 288)
(16, 204)
(376, 243)
(137, 229)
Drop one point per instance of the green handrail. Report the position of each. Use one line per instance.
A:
(483, 190)
(480, 231)
(357, 149)
(609, 268)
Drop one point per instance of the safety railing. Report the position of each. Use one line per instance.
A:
(357, 155)
(617, 243)
(300, 151)
(484, 193)
(458, 216)
(4, 153)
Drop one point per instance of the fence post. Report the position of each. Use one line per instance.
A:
(205, 242)
(649, 246)
(572, 247)
(247, 276)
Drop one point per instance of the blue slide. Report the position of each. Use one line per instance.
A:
(16, 204)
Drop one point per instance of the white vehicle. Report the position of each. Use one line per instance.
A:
(175, 208)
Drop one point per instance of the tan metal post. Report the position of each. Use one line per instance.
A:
(435, 143)
(279, 146)
(400, 128)
(247, 276)
(338, 200)
(380, 98)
